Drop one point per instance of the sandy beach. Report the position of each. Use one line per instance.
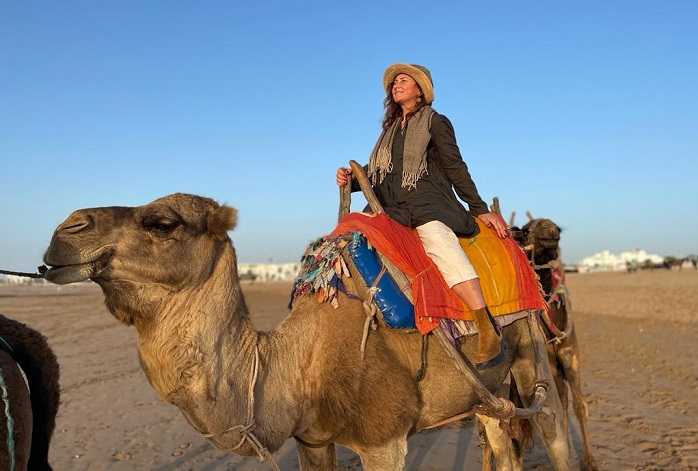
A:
(639, 367)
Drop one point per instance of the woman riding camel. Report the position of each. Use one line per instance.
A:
(414, 169)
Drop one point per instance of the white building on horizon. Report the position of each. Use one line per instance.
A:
(606, 261)
(269, 271)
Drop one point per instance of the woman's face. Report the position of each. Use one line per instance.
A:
(405, 91)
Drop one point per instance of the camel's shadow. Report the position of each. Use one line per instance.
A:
(450, 448)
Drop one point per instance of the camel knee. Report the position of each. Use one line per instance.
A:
(549, 425)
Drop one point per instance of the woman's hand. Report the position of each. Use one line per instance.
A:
(496, 223)
(342, 173)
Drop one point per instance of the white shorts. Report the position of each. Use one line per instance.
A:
(441, 244)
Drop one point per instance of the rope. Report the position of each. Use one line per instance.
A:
(246, 430)
(505, 411)
(41, 270)
(370, 308)
(455, 418)
(10, 424)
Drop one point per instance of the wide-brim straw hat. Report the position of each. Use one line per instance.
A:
(419, 73)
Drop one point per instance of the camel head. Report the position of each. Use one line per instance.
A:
(138, 255)
(541, 238)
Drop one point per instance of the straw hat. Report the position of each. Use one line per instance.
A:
(419, 73)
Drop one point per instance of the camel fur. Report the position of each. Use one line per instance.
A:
(169, 269)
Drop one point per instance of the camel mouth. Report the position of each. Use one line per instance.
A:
(76, 272)
(65, 274)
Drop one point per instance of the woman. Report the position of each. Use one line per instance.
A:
(414, 168)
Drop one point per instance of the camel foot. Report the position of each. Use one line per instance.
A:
(590, 464)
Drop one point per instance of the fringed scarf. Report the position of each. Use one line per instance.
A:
(414, 160)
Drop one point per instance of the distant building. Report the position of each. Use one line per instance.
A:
(606, 261)
(11, 280)
(269, 271)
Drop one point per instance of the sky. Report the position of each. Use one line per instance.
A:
(582, 112)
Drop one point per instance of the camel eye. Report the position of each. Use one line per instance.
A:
(163, 226)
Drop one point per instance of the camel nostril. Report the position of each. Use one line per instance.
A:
(74, 227)
(76, 222)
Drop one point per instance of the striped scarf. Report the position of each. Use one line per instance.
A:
(414, 161)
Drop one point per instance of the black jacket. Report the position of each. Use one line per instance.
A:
(434, 198)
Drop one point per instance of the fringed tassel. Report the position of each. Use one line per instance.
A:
(409, 180)
(379, 167)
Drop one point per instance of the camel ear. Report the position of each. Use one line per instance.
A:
(222, 220)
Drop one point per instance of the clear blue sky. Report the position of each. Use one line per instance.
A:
(583, 112)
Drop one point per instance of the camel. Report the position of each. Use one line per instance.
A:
(540, 238)
(169, 269)
(29, 407)
(673, 263)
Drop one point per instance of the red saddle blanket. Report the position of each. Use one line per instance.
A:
(508, 282)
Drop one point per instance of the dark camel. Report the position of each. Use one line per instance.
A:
(28, 407)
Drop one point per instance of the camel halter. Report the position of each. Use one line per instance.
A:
(246, 430)
(531, 239)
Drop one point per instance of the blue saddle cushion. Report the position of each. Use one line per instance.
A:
(397, 310)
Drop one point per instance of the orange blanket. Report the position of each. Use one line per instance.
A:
(508, 282)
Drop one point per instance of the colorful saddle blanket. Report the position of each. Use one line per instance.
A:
(508, 282)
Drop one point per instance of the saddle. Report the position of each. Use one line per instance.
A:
(405, 285)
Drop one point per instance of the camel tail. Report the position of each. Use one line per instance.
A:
(31, 351)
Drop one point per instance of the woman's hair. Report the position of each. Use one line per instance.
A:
(393, 111)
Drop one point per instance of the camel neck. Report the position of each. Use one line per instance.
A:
(203, 363)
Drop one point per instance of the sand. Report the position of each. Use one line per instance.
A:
(639, 365)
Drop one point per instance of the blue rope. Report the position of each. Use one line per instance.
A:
(10, 423)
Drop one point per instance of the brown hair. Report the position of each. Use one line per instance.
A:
(393, 111)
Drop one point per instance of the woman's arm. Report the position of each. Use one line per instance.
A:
(454, 166)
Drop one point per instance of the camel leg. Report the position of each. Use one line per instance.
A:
(556, 368)
(390, 457)
(317, 459)
(487, 454)
(561, 386)
(562, 392)
(570, 362)
(548, 423)
(499, 448)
